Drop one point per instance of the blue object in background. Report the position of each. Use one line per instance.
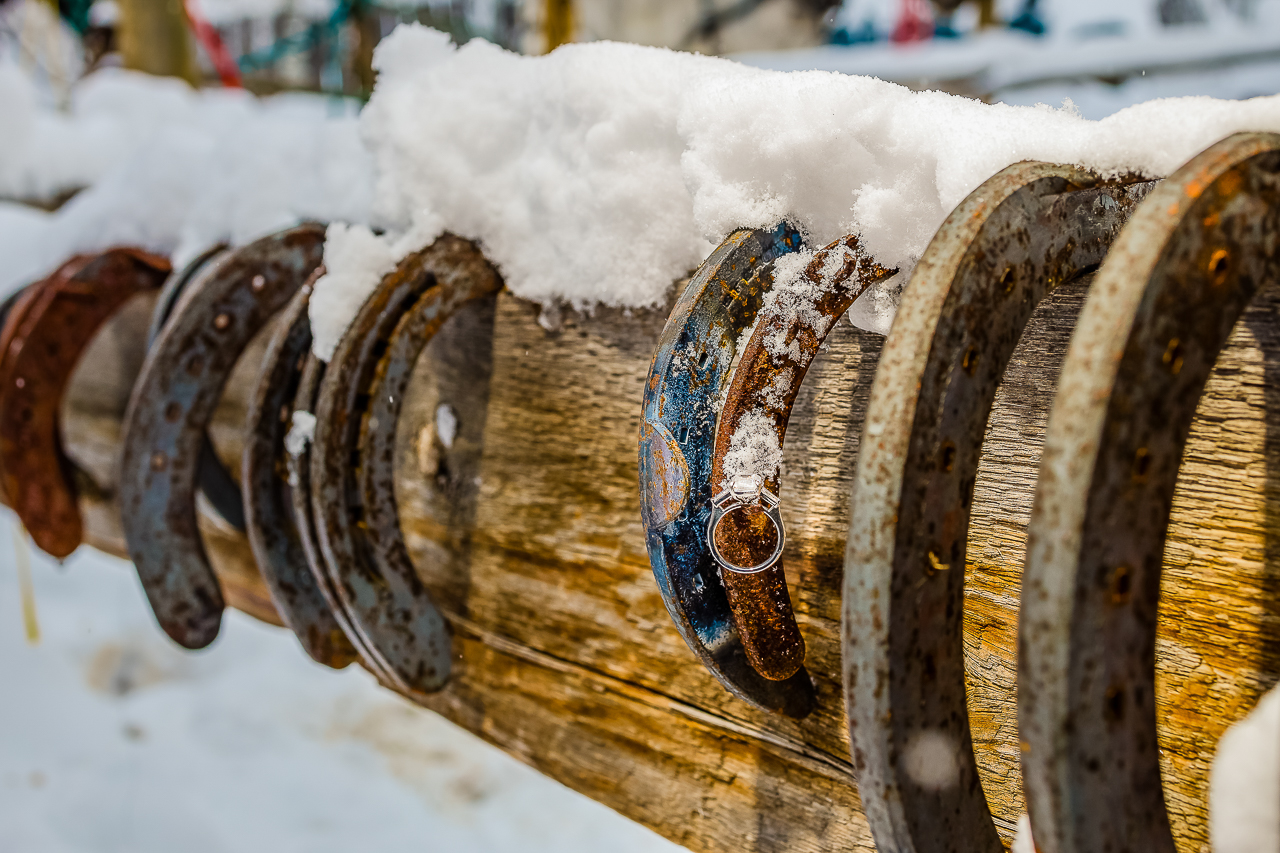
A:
(864, 34)
(1029, 20)
(944, 29)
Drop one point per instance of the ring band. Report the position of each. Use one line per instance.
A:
(743, 492)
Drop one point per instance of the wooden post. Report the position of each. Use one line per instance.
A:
(156, 38)
(557, 23)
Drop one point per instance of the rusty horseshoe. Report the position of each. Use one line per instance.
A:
(181, 381)
(266, 483)
(352, 460)
(677, 437)
(797, 315)
(1023, 232)
(1161, 309)
(46, 329)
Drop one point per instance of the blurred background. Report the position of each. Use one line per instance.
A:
(1103, 54)
(114, 740)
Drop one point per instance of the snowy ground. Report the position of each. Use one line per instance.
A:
(115, 740)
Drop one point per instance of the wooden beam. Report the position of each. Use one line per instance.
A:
(566, 657)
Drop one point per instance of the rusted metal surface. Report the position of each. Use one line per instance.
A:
(769, 375)
(298, 471)
(169, 411)
(44, 333)
(1018, 236)
(1157, 316)
(216, 483)
(273, 535)
(352, 460)
(681, 402)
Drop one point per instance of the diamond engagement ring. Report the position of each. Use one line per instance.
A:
(745, 490)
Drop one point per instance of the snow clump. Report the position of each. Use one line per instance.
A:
(601, 173)
(168, 168)
(1244, 790)
(753, 449)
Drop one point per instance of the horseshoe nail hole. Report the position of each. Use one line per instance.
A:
(221, 321)
(1141, 463)
(703, 359)
(159, 461)
(947, 459)
(1006, 280)
(1173, 356)
(26, 415)
(1121, 585)
(196, 366)
(362, 403)
(1219, 264)
(20, 382)
(970, 360)
(284, 412)
(379, 348)
(172, 412)
(1114, 709)
(684, 434)
(259, 282)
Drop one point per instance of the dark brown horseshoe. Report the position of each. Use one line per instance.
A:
(1158, 314)
(43, 337)
(273, 535)
(170, 409)
(383, 597)
(216, 483)
(787, 335)
(1018, 236)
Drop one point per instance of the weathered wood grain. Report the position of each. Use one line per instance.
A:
(527, 529)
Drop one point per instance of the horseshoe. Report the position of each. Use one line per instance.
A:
(298, 471)
(1017, 237)
(216, 483)
(273, 535)
(46, 330)
(677, 433)
(169, 412)
(791, 327)
(352, 460)
(1159, 312)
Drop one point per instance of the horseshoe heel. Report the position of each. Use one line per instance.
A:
(216, 483)
(1158, 314)
(1004, 248)
(790, 328)
(352, 459)
(169, 411)
(273, 535)
(677, 435)
(45, 331)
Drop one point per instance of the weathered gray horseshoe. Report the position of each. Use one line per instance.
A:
(1158, 314)
(677, 437)
(786, 337)
(298, 469)
(169, 411)
(273, 535)
(359, 402)
(216, 482)
(1018, 236)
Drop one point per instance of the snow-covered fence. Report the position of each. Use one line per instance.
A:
(507, 454)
